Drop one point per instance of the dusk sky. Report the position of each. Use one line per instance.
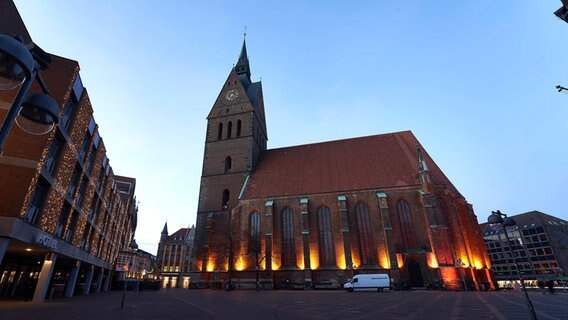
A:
(473, 80)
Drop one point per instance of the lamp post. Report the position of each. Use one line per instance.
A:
(134, 247)
(460, 264)
(497, 217)
(18, 68)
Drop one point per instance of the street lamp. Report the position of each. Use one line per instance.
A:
(497, 217)
(38, 112)
(561, 88)
(460, 264)
(134, 247)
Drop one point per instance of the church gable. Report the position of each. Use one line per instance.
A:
(232, 99)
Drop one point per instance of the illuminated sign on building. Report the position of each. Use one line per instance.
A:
(46, 241)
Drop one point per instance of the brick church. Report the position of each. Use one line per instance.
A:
(312, 216)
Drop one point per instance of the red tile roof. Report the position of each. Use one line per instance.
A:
(180, 234)
(373, 162)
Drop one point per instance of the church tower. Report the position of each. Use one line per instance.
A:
(236, 136)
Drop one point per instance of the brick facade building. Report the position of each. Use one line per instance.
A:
(64, 214)
(174, 257)
(313, 215)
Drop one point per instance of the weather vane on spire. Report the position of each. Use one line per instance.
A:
(245, 33)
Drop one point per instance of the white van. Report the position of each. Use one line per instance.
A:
(379, 282)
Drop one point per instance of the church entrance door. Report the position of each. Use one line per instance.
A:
(415, 274)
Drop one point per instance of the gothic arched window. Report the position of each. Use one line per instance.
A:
(220, 132)
(325, 237)
(254, 232)
(368, 252)
(238, 128)
(406, 227)
(288, 247)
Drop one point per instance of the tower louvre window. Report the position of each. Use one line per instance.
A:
(229, 129)
(238, 128)
(228, 164)
(220, 132)
(226, 197)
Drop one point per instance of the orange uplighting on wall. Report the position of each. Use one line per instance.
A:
(355, 261)
(314, 260)
(432, 260)
(275, 264)
(465, 262)
(240, 264)
(400, 260)
(477, 263)
(210, 264)
(300, 264)
(340, 261)
(384, 260)
(449, 275)
(300, 260)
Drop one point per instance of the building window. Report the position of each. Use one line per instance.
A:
(38, 198)
(77, 88)
(54, 153)
(368, 255)
(91, 159)
(228, 164)
(254, 245)
(325, 237)
(82, 191)
(238, 128)
(405, 220)
(288, 247)
(84, 148)
(229, 129)
(220, 132)
(72, 227)
(62, 220)
(226, 197)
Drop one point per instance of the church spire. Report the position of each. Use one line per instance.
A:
(242, 68)
(165, 230)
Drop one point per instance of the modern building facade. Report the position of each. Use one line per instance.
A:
(64, 214)
(311, 216)
(539, 243)
(135, 264)
(174, 257)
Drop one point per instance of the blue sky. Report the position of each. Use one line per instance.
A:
(474, 80)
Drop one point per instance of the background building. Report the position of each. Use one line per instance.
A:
(540, 245)
(314, 215)
(64, 214)
(174, 261)
(135, 264)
